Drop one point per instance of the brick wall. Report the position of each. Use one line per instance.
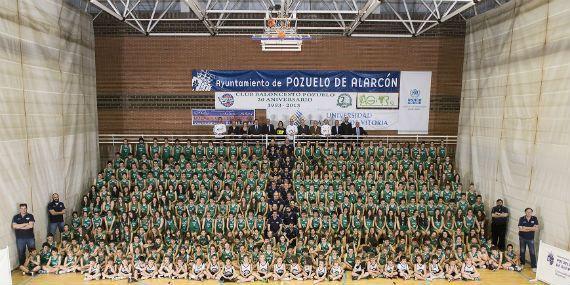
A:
(144, 83)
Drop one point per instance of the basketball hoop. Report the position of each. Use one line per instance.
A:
(271, 23)
(280, 33)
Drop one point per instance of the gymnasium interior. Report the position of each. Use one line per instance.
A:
(459, 103)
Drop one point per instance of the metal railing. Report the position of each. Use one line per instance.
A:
(117, 139)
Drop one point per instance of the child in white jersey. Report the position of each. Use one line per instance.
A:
(372, 268)
(404, 270)
(320, 272)
(263, 268)
(245, 271)
(213, 267)
(336, 272)
(308, 273)
(390, 270)
(469, 270)
(150, 270)
(228, 272)
(358, 269)
(435, 270)
(180, 270)
(125, 270)
(109, 270)
(295, 270)
(279, 270)
(166, 268)
(197, 270)
(451, 271)
(420, 269)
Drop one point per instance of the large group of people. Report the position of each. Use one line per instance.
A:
(294, 128)
(242, 212)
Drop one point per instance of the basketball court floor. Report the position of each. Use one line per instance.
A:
(487, 278)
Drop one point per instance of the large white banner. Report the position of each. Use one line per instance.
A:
(553, 265)
(414, 102)
(5, 269)
(375, 111)
(283, 106)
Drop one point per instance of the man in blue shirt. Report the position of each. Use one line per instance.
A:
(528, 225)
(23, 225)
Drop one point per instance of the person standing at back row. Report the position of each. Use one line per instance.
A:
(499, 219)
(528, 225)
(56, 210)
(346, 127)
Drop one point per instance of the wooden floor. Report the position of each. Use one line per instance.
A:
(487, 277)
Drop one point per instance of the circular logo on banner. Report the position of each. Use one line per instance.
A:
(227, 100)
(344, 100)
(550, 258)
(415, 93)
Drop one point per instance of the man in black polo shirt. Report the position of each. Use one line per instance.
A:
(499, 219)
(289, 217)
(277, 200)
(275, 223)
(23, 225)
(56, 209)
(528, 225)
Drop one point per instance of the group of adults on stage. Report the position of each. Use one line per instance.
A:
(300, 127)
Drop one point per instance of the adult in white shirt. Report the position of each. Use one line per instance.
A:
(326, 129)
(291, 130)
(220, 128)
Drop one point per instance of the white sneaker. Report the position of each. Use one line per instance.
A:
(534, 270)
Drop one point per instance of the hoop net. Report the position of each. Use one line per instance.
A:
(280, 33)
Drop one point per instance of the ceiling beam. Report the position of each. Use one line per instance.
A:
(107, 9)
(363, 13)
(160, 17)
(202, 15)
(459, 10)
(404, 22)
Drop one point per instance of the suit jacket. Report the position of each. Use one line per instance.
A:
(232, 130)
(303, 130)
(336, 130)
(346, 128)
(362, 131)
(253, 130)
(267, 129)
(315, 132)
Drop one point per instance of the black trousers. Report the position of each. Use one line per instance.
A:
(498, 232)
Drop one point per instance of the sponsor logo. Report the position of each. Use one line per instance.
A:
(344, 100)
(415, 97)
(202, 81)
(550, 258)
(297, 117)
(227, 100)
(377, 101)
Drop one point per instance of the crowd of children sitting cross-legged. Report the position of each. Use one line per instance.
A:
(239, 212)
